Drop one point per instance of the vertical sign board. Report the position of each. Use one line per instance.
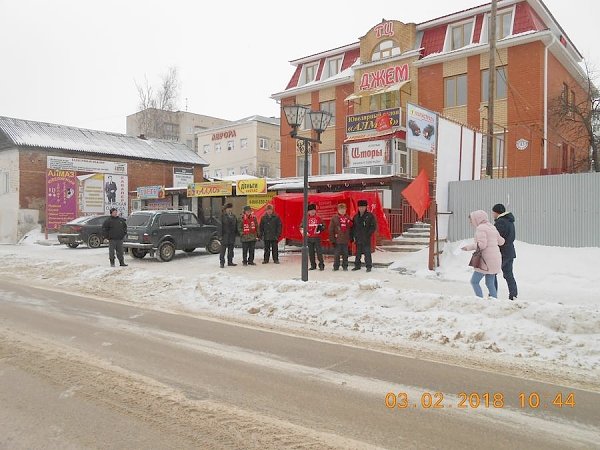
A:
(182, 176)
(116, 195)
(61, 197)
(421, 129)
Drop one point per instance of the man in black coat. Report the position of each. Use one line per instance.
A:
(362, 232)
(269, 231)
(114, 229)
(504, 222)
(229, 230)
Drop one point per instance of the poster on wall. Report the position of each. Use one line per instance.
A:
(86, 165)
(61, 197)
(91, 194)
(366, 154)
(182, 176)
(115, 194)
(421, 129)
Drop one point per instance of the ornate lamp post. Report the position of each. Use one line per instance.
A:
(319, 120)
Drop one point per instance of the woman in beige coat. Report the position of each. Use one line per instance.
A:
(489, 240)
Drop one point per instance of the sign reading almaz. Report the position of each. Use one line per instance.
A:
(370, 153)
(372, 122)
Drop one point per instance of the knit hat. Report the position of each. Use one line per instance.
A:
(247, 208)
(499, 208)
(228, 205)
(312, 206)
(363, 203)
(113, 209)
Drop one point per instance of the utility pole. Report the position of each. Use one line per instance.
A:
(489, 169)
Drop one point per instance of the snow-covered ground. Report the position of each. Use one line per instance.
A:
(556, 318)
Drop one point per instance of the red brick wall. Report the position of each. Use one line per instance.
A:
(33, 163)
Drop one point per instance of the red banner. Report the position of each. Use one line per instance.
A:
(289, 208)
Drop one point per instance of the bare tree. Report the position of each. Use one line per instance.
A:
(154, 105)
(576, 120)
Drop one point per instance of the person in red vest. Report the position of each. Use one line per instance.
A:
(340, 228)
(248, 228)
(313, 235)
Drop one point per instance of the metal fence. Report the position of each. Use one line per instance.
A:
(555, 210)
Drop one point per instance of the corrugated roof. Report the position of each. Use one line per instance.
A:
(27, 133)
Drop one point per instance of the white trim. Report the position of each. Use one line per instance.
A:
(461, 15)
(450, 27)
(304, 89)
(333, 52)
(301, 80)
(325, 74)
(484, 35)
(400, 57)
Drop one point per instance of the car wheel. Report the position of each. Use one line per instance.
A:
(214, 246)
(94, 241)
(189, 250)
(72, 245)
(138, 253)
(166, 251)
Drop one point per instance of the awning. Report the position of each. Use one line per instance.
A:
(390, 88)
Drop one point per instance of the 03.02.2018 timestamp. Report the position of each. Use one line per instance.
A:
(474, 400)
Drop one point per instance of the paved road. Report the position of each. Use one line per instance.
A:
(80, 372)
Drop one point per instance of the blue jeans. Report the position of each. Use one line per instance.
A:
(489, 282)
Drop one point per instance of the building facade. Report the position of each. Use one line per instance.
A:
(443, 65)
(250, 146)
(52, 173)
(180, 126)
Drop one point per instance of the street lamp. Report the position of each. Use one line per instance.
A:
(319, 120)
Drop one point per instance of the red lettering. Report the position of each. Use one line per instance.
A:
(383, 77)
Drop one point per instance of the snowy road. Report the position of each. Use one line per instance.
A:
(79, 372)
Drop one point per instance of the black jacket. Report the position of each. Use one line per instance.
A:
(505, 224)
(364, 227)
(229, 228)
(270, 227)
(114, 228)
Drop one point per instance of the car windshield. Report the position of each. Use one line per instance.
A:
(138, 220)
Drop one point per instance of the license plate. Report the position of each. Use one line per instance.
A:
(132, 237)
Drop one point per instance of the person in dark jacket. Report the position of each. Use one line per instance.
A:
(248, 229)
(504, 222)
(364, 225)
(269, 231)
(313, 237)
(229, 230)
(340, 228)
(114, 229)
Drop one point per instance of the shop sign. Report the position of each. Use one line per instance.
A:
(369, 153)
(210, 189)
(383, 77)
(182, 176)
(384, 29)
(150, 192)
(61, 198)
(251, 186)
(374, 121)
(421, 129)
(223, 135)
(86, 165)
(258, 201)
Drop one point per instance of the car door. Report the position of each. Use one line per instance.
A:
(94, 226)
(169, 225)
(192, 231)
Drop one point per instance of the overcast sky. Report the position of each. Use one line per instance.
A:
(75, 62)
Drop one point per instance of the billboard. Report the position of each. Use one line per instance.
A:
(116, 195)
(182, 176)
(421, 129)
(212, 189)
(150, 192)
(366, 154)
(86, 165)
(61, 197)
(91, 194)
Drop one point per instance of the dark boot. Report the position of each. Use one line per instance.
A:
(112, 263)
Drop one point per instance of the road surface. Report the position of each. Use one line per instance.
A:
(79, 372)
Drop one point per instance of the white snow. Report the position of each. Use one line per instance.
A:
(555, 319)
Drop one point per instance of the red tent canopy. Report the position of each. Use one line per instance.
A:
(289, 208)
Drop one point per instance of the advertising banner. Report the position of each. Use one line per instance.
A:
(160, 203)
(370, 153)
(150, 192)
(211, 189)
(251, 186)
(373, 122)
(91, 194)
(257, 201)
(182, 176)
(116, 194)
(61, 197)
(421, 129)
(86, 165)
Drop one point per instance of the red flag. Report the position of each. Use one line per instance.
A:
(417, 194)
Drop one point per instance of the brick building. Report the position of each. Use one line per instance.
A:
(30, 150)
(442, 65)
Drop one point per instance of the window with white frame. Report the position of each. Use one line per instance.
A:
(206, 173)
(278, 146)
(306, 122)
(206, 148)
(263, 143)
(217, 147)
(455, 91)
(460, 35)
(4, 182)
(230, 145)
(333, 66)
(504, 25)
(326, 163)
(498, 157)
(309, 72)
(230, 171)
(218, 173)
(300, 166)
(244, 170)
(387, 100)
(500, 87)
(403, 158)
(330, 108)
(244, 143)
(263, 171)
(385, 49)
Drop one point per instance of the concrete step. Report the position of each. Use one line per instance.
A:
(412, 234)
(411, 240)
(402, 248)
